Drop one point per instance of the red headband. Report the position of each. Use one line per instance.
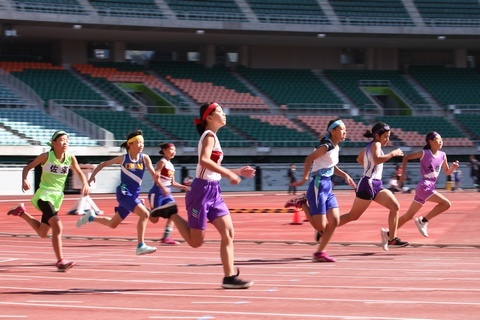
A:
(168, 145)
(207, 112)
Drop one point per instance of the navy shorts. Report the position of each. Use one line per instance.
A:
(367, 189)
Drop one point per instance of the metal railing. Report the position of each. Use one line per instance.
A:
(59, 112)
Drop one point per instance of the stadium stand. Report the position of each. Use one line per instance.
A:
(364, 11)
(181, 127)
(72, 7)
(105, 75)
(9, 98)
(128, 8)
(470, 123)
(8, 138)
(37, 127)
(201, 84)
(293, 88)
(274, 11)
(270, 135)
(120, 123)
(438, 12)
(412, 130)
(355, 128)
(349, 81)
(450, 86)
(52, 82)
(210, 10)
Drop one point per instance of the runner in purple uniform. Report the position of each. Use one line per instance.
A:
(431, 161)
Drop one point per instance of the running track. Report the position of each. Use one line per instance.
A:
(436, 278)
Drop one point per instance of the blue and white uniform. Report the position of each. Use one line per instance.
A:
(319, 194)
(130, 181)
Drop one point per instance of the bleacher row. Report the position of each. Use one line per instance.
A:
(391, 12)
(175, 81)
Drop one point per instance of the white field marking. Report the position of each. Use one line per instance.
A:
(268, 298)
(54, 301)
(264, 314)
(174, 317)
(283, 274)
(11, 316)
(221, 302)
(4, 260)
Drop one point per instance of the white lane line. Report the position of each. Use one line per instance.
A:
(173, 317)
(221, 302)
(260, 314)
(11, 316)
(54, 301)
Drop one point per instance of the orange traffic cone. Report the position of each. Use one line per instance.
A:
(296, 217)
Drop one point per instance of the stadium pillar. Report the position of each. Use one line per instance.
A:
(118, 54)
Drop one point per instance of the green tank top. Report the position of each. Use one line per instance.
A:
(54, 172)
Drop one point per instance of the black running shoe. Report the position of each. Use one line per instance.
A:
(397, 243)
(234, 282)
(164, 211)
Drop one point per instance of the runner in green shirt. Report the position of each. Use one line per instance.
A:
(48, 198)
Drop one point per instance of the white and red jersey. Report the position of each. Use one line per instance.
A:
(167, 173)
(216, 156)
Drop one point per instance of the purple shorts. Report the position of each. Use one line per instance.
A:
(158, 199)
(127, 201)
(425, 189)
(319, 195)
(204, 202)
(367, 189)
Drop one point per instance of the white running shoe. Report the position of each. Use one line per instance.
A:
(145, 250)
(86, 218)
(384, 235)
(422, 226)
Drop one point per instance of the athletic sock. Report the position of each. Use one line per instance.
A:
(140, 244)
(168, 230)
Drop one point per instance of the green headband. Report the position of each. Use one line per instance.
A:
(56, 135)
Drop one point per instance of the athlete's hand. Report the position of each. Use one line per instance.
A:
(25, 185)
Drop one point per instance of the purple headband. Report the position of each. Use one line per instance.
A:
(432, 135)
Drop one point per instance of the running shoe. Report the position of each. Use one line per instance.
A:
(64, 265)
(397, 243)
(17, 210)
(145, 250)
(296, 202)
(318, 235)
(86, 218)
(164, 211)
(169, 241)
(384, 235)
(422, 226)
(234, 282)
(322, 257)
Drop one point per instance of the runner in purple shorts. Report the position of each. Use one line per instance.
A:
(204, 201)
(370, 187)
(160, 196)
(133, 165)
(322, 208)
(431, 161)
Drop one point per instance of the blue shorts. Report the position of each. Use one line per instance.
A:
(127, 201)
(204, 202)
(319, 195)
(367, 189)
(158, 199)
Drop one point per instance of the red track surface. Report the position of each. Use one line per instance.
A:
(436, 278)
